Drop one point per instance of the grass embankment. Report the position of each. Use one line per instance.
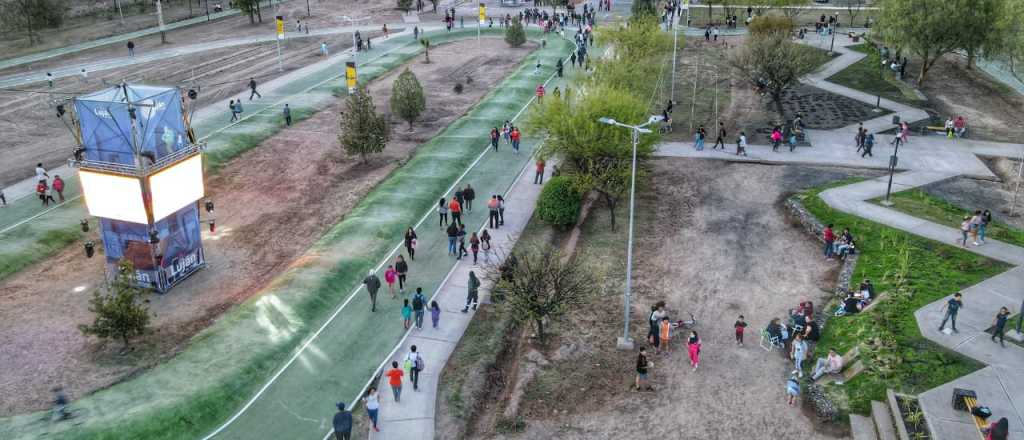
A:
(869, 76)
(923, 205)
(915, 271)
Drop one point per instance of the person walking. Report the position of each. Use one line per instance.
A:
(474, 245)
(234, 112)
(986, 218)
(642, 365)
(492, 211)
(41, 174)
(410, 243)
(442, 213)
(776, 138)
(456, 209)
(406, 314)
(664, 335)
(414, 363)
(473, 292)
(699, 138)
(829, 238)
(385, 29)
(485, 244)
(252, 87)
(238, 106)
(999, 430)
(461, 238)
(468, 194)
(495, 137)
(403, 269)
(131, 48)
(323, 49)
(540, 90)
(287, 115)
(693, 347)
(3, 200)
(394, 376)
(975, 226)
(453, 235)
(501, 210)
(58, 186)
(372, 284)
(858, 139)
(419, 304)
(506, 131)
(653, 320)
(951, 307)
(515, 135)
(435, 313)
(869, 143)
(538, 178)
(390, 275)
(720, 139)
(965, 228)
(740, 326)
(1000, 325)
(741, 144)
(372, 402)
(342, 423)
(798, 353)
(792, 389)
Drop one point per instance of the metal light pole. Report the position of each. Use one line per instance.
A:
(881, 65)
(160, 21)
(892, 171)
(835, 29)
(1016, 192)
(625, 342)
(207, 10)
(119, 12)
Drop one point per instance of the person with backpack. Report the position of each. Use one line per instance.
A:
(435, 313)
(372, 283)
(414, 363)
(473, 293)
(234, 112)
(403, 269)
(410, 242)
(419, 303)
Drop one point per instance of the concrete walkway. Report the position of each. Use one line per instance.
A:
(926, 159)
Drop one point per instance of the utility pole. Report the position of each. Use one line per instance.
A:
(307, 10)
(160, 21)
(892, 171)
(1016, 192)
(207, 10)
(119, 12)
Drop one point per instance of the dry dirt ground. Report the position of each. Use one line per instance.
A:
(993, 111)
(712, 240)
(273, 202)
(33, 134)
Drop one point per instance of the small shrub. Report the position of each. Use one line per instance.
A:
(771, 24)
(559, 202)
(515, 36)
(458, 88)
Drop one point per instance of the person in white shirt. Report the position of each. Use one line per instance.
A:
(831, 365)
(41, 174)
(415, 364)
(741, 145)
(372, 406)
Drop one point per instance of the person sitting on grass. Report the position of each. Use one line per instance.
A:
(866, 291)
(832, 364)
(852, 304)
(845, 245)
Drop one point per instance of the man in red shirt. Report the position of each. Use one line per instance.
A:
(58, 185)
(456, 208)
(829, 238)
(395, 380)
(538, 179)
(515, 135)
(540, 93)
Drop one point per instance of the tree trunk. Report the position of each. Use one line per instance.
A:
(259, 12)
(541, 336)
(611, 202)
(252, 18)
(971, 55)
(777, 100)
(925, 65)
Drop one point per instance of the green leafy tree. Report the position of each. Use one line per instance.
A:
(426, 49)
(405, 5)
(790, 8)
(363, 131)
(854, 8)
(407, 100)
(645, 8)
(251, 8)
(559, 202)
(515, 36)
(1011, 27)
(925, 28)
(773, 63)
(543, 286)
(120, 312)
(30, 16)
(975, 30)
(771, 24)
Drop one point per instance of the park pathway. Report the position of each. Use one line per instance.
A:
(925, 160)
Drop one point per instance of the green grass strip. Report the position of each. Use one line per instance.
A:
(923, 205)
(869, 76)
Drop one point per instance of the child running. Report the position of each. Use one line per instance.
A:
(435, 313)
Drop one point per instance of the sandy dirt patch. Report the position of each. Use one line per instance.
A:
(993, 112)
(712, 240)
(273, 202)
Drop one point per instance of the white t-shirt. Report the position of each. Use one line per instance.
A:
(412, 357)
(40, 173)
(372, 401)
(743, 141)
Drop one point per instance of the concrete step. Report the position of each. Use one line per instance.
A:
(883, 421)
(863, 428)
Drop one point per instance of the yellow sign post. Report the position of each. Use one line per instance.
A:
(280, 36)
(350, 76)
(483, 13)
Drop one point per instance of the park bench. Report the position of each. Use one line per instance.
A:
(852, 366)
(967, 400)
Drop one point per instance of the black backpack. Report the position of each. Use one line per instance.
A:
(417, 302)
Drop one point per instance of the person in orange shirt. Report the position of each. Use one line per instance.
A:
(456, 208)
(664, 333)
(538, 179)
(395, 380)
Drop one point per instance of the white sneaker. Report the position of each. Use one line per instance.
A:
(976, 244)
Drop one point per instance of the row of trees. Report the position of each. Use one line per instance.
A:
(363, 131)
(30, 16)
(930, 29)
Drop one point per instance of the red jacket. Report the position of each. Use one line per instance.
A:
(540, 166)
(58, 184)
(540, 90)
(828, 235)
(514, 135)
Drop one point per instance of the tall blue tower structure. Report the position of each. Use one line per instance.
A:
(141, 172)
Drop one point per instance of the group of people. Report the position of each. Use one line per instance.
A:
(798, 339)
(509, 133)
(956, 127)
(857, 300)
(840, 246)
(44, 188)
(975, 226)
(659, 335)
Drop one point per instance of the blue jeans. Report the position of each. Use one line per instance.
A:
(419, 318)
(828, 249)
(373, 416)
(700, 144)
(397, 391)
(949, 317)
(981, 232)
(451, 245)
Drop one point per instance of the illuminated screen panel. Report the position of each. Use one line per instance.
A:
(113, 197)
(176, 187)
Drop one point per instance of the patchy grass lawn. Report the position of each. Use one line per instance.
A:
(864, 76)
(921, 204)
(915, 271)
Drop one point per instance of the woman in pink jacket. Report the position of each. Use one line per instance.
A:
(390, 276)
(693, 345)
